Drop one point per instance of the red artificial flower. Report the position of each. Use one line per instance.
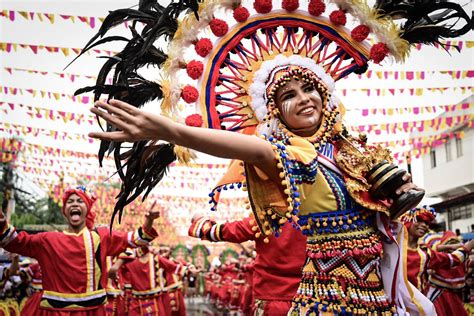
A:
(241, 14)
(194, 120)
(378, 52)
(194, 69)
(316, 7)
(360, 32)
(338, 17)
(189, 94)
(263, 6)
(203, 47)
(219, 27)
(290, 5)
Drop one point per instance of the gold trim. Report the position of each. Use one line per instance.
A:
(379, 170)
(366, 232)
(88, 247)
(385, 177)
(75, 234)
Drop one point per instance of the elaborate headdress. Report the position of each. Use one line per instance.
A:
(424, 213)
(88, 199)
(238, 45)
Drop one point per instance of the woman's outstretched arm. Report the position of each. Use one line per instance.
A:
(135, 125)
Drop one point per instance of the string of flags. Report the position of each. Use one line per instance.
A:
(51, 17)
(84, 99)
(20, 130)
(70, 76)
(94, 22)
(49, 114)
(416, 109)
(439, 123)
(66, 51)
(370, 74)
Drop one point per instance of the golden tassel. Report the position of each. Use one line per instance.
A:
(337, 127)
(184, 155)
(166, 105)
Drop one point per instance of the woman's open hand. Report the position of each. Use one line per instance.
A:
(132, 124)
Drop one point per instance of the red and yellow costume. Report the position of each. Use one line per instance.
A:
(150, 278)
(172, 274)
(115, 295)
(32, 303)
(424, 258)
(277, 267)
(73, 265)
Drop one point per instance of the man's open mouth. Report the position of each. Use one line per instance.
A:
(75, 214)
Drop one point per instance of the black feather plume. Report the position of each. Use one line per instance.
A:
(143, 165)
(427, 21)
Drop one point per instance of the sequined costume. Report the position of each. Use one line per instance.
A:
(341, 272)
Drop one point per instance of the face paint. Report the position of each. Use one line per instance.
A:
(313, 120)
(316, 94)
(285, 107)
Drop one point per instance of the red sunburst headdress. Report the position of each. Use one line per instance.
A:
(218, 52)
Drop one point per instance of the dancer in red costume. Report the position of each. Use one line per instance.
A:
(36, 289)
(116, 305)
(173, 274)
(271, 75)
(421, 258)
(277, 267)
(73, 261)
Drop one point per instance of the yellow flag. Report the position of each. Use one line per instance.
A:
(442, 126)
(24, 14)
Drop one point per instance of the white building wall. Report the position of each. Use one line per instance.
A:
(448, 175)
(464, 225)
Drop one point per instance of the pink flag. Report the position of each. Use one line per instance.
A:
(34, 48)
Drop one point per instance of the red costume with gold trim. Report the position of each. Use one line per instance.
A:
(172, 274)
(80, 257)
(277, 267)
(423, 258)
(36, 285)
(73, 264)
(115, 295)
(143, 277)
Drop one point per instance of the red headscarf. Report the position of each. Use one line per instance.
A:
(89, 199)
(425, 214)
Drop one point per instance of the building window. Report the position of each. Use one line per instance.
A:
(461, 212)
(447, 147)
(433, 158)
(459, 147)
